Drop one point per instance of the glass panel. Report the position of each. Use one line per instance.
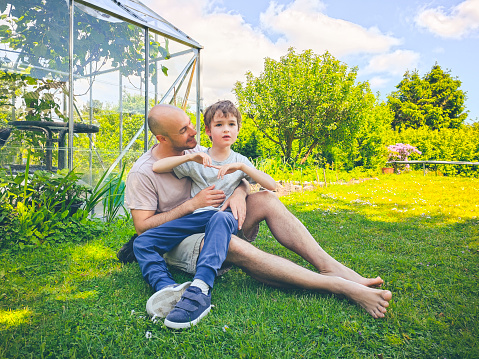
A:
(109, 85)
(33, 73)
(109, 90)
(169, 62)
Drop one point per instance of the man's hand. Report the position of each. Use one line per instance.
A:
(228, 168)
(208, 197)
(237, 203)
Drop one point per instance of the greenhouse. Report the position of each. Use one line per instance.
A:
(78, 78)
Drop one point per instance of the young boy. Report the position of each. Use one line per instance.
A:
(224, 168)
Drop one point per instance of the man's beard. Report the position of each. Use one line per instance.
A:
(190, 144)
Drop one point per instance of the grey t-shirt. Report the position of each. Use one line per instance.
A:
(203, 177)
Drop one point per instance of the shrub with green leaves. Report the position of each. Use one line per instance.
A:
(44, 206)
(445, 145)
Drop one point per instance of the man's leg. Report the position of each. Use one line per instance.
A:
(273, 270)
(292, 234)
(279, 272)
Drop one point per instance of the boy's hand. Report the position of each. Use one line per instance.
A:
(237, 204)
(229, 168)
(201, 158)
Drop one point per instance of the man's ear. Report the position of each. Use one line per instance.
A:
(161, 138)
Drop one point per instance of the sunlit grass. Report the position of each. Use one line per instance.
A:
(401, 197)
(12, 318)
(420, 234)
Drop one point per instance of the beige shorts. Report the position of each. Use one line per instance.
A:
(185, 255)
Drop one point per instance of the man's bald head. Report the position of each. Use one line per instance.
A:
(161, 117)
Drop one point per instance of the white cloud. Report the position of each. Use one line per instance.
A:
(232, 47)
(394, 63)
(457, 22)
(378, 82)
(303, 24)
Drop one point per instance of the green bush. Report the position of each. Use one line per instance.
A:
(445, 145)
(34, 206)
(45, 207)
(282, 171)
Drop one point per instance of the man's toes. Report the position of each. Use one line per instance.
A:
(384, 304)
(387, 295)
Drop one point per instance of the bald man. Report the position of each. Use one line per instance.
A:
(155, 199)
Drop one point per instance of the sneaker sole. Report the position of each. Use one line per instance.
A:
(162, 302)
(174, 325)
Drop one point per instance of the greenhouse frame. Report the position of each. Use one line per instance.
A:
(78, 78)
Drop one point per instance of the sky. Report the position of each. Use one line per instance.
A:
(383, 39)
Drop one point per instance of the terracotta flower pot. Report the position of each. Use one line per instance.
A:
(388, 170)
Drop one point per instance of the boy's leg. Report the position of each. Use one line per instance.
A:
(218, 233)
(152, 244)
(196, 301)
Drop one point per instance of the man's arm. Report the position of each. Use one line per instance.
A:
(146, 219)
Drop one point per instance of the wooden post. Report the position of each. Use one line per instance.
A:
(187, 94)
(324, 174)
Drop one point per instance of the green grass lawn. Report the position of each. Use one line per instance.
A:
(420, 234)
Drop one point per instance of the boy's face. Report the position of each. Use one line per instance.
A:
(223, 131)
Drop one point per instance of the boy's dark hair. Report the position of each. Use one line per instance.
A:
(226, 107)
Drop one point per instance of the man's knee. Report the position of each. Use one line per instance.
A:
(261, 205)
(264, 199)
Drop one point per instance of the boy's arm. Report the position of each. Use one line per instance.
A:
(168, 163)
(258, 176)
(237, 202)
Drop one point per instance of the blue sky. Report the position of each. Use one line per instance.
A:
(382, 38)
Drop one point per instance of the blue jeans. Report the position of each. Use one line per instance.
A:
(150, 246)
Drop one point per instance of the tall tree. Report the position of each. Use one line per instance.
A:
(303, 101)
(434, 100)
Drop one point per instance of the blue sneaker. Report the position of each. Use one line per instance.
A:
(192, 306)
(163, 301)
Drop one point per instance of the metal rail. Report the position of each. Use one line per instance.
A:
(435, 162)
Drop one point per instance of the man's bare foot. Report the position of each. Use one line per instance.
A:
(344, 272)
(374, 301)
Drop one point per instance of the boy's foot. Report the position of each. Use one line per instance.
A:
(163, 301)
(193, 306)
